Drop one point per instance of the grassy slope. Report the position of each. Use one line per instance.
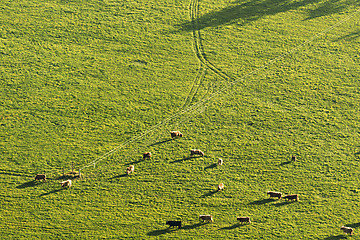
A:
(78, 78)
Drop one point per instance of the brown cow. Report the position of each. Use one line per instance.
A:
(130, 169)
(220, 162)
(196, 152)
(40, 177)
(347, 230)
(66, 183)
(176, 134)
(220, 186)
(274, 194)
(243, 219)
(207, 218)
(146, 155)
(292, 197)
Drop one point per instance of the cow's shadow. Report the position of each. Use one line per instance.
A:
(193, 226)
(160, 232)
(32, 183)
(158, 143)
(335, 237)
(120, 176)
(285, 163)
(209, 194)
(263, 201)
(210, 166)
(279, 204)
(51, 192)
(181, 160)
(353, 225)
(232, 226)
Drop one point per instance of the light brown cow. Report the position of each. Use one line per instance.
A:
(40, 177)
(146, 155)
(220, 186)
(176, 134)
(243, 219)
(196, 152)
(274, 194)
(220, 162)
(66, 183)
(347, 230)
(207, 218)
(130, 169)
(293, 158)
(292, 197)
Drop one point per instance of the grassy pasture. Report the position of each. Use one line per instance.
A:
(80, 78)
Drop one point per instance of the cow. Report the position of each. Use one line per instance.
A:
(66, 183)
(130, 169)
(293, 158)
(220, 186)
(176, 134)
(40, 177)
(347, 230)
(243, 219)
(174, 224)
(274, 194)
(146, 155)
(220, 162)
(196, 152)
(207, 218)
(292, 197)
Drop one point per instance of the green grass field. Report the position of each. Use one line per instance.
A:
(97, 83)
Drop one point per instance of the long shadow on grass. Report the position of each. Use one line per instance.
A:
(136, 162)
(181, 160)
(159, 232)
(353, 225)
(285, 163)
(209, 194)
(246, 12)
(232, 227)
(193, 226)
(211, 166)
(48, 193)
(263, 201)
(279, 204)
(120, 176)
(14, 173)
(158, 143)
(28, 184)
(335, 237)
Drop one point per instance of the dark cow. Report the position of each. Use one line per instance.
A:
(347, 230)
(40, 177)
(274, 194)
(207, 218)
(293, 158)
(292, 197)
(174, 224)
(196, 152)
(146, 155)
(176, 134)
(243, 219)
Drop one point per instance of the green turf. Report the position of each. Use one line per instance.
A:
(251, 82)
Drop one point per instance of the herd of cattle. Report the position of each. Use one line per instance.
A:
(204, 218)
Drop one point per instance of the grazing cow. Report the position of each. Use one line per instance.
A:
(274, 194)
(347, 230)
(146, 155)
(40, 177)
(207, 218)
(66, 183)
(220, 162)
(174, 224)
(292, 197)
(196, 152)
(220, 186)
(293, 158)
(243, 219)
(130, 169)
(176, 134)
